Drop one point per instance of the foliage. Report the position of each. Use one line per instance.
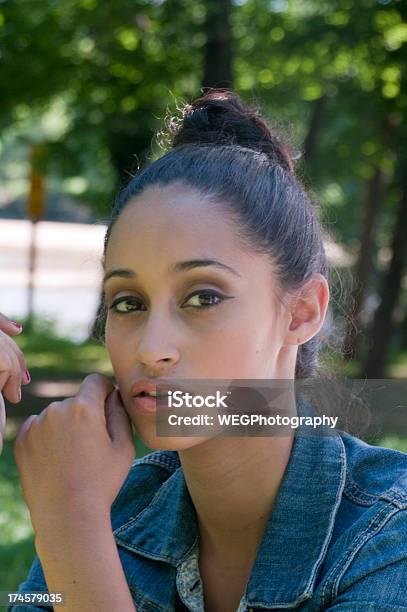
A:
(106, 89)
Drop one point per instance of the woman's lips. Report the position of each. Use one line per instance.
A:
(145, 403)
(149, 404)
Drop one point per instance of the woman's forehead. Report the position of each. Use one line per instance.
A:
(161, 219)
(144, 239)
(180, 203)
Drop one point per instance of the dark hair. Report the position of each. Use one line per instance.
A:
(225, 149)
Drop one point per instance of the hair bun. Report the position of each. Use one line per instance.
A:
(221, 117)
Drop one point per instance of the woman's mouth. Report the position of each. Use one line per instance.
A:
(147, 401)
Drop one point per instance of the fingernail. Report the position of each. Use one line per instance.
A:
(19, 394)
(27, 375)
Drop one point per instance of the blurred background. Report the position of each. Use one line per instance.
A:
(86, 84)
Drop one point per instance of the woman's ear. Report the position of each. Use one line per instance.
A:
(308, 310)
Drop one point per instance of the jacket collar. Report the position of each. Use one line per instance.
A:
(297, 534)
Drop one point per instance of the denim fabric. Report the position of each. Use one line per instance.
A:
(336, 538)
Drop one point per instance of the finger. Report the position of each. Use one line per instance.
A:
(2, 419)
(12, 328)
(118, 423)
(12, 346)
(94, 390)
(10, 378)
(10, 387)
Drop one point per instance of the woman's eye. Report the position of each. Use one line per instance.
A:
(124, 303)
(210, 298)
(203, 299)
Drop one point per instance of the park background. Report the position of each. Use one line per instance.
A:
(85, 85)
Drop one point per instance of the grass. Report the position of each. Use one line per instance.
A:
(394, 442)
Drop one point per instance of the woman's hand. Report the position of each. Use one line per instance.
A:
(13, 371)
(74, 457)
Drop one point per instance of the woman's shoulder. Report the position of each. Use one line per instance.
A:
(374, 491)
(366, 558)
(374, 473)
(363, 563)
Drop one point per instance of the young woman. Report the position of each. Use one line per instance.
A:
(214, 269)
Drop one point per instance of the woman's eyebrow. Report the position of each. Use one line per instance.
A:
(180, 266)
(120, 272)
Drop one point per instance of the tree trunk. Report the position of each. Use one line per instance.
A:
(373, 204)
(129, 141)
(403, 333)
(314, 129)
(383, 323)
(218, 50)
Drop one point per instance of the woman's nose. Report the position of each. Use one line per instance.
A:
(155, 347)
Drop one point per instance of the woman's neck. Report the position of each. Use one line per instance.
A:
(233, 483)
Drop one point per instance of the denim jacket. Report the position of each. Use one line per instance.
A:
(336, 538)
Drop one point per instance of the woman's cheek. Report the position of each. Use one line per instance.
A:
(116, 351)
(118, 360)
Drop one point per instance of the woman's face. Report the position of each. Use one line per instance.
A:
(159, 325)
